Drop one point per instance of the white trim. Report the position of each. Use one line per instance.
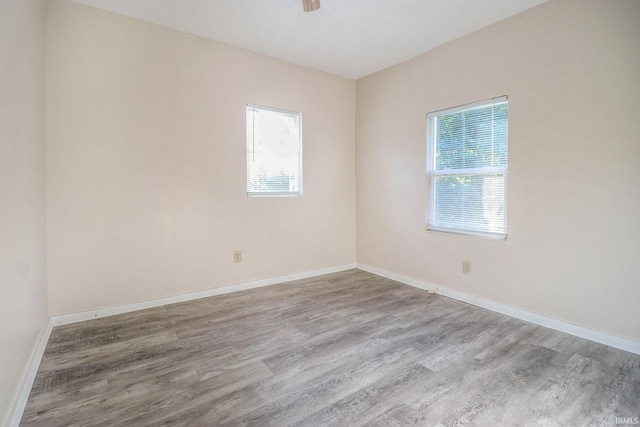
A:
(499, 170)
(445, 230)
(471, 106)
(275, 110)
(274, 194)
(547, 322)
(126, 308)
(30, 376)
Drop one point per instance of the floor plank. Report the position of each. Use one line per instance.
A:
(345, 349)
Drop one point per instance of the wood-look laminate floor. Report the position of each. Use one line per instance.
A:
(345, 349)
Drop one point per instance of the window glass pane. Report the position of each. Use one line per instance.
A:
(273, 151)
(468, 151)
(474, 138)
(473, 203)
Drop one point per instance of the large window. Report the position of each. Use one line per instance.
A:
(274, 152)
(467, 168)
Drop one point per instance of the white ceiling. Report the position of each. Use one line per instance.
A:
(351, 38)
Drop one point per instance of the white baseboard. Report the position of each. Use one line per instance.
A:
(547, 322)
(30, 377)
(126, 308)
(41, 344)
(559, 325)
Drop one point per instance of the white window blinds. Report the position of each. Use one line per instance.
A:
(467, 168)
(274, 152)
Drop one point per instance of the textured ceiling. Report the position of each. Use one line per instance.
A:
(351, 38)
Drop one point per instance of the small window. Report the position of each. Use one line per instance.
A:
(274, 152)
(467, 168)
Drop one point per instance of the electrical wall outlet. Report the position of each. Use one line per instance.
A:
(237, 256)
(466, 267)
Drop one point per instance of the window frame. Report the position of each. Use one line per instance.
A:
(432, 173)
(297, 114)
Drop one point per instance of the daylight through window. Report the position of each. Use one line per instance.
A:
(467, 168)
(274, 152)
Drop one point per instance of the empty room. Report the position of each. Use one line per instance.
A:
(319, 212)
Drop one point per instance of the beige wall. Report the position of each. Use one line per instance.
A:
(572, 73)
(145, 166)
(23, 311)
(146, 192)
